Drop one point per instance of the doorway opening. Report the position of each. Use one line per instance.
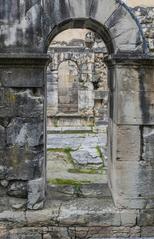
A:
(77, 111)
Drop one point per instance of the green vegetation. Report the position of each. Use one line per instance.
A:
(61, 150)
(70, 182)
(100, 153)
(86, 171)
(56, 150)
(76, 169)
(67, 151)
(62, 181)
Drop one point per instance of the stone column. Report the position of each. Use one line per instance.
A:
(22, 126)
(131, 133)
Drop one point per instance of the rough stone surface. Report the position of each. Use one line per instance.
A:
(146, 19)
(29, 167)
(36, 194)
(20, 132)
(26, 29)
(2, 137)
(17, 189)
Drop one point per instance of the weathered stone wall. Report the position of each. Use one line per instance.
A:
(21, 129)
(28, 27)
(146, 19)
(90, 95)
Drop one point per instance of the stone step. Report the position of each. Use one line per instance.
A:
(92, 190)
(52, 130)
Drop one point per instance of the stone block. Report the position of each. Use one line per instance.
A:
(60, 12)
(147, 231)
(131, 183)
(146, 218)
(80, 9)
(101, 10)
(17, 189)
(2, 137)
(124, 31)
(45, 216)
(23, 103)
(104, 232)
(47, 236)
(135, 107)
(134, 95)
(135, 78)
(22, 77)
(58, 233)
(150, 203)
(15, 38)
(29, 103)
(93, 214)
(128, 140)
(2, 165)
(24, 233)
(17, 203)
(86, 156)
(5, 111)
(36, 194)
(21, 133)
(23, 163)
(2, 193)
(17, 218)
(148, 144)
(4, 183)
(128, 78)
(99, 95)
(128, 217)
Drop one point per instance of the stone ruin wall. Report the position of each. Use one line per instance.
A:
(90, 92)
(15, 174)
(145, 17)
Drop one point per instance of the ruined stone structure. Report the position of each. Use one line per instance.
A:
(124, 207)
(77, 86)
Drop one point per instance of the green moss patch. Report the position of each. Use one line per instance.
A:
(99, 152)
(86, 171)
(61, 181)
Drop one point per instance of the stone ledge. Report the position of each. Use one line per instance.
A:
(70, 232)
(23, 59)
(80, 212)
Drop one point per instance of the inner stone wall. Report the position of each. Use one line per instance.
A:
(91, 88)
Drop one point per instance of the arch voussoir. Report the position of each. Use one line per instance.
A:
(80, 9)
(112, 16)
(101, 10)
(124, 31)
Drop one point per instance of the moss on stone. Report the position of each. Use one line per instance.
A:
(86, 171)
(62, 181)
(67, 151)
(56, 150)
(99, 152)
(11, 97)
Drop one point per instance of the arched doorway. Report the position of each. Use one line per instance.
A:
(121, 35)
(77, 110)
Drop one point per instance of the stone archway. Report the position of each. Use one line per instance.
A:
(112, 20)
(124, 39)
(23, 90)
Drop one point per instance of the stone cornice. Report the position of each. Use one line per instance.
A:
(24, 59)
